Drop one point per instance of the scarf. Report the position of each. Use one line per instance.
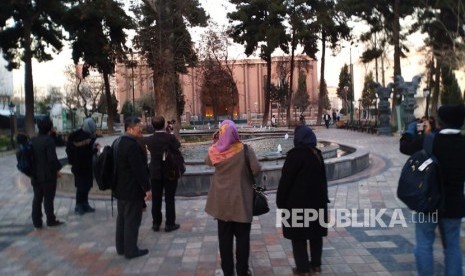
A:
(304, 136)
(228, 143)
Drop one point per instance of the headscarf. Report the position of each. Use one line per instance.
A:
(89, 126)
(228, 143)
(304, 136)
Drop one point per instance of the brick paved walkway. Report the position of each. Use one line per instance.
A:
(85, 244)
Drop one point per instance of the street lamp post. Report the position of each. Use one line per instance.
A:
(359, 109)
(426, 93)
(11, 107)
(398, 112)
(132, 64)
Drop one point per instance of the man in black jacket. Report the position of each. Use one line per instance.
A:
(46, 170)
(156, 144)
(80, 149)
(132, 188)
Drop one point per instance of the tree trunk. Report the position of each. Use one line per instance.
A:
(111, 115)
(397, 69)
(28, 81)
(322, 78)
(267, 90)
(291, 80)
(435, 91)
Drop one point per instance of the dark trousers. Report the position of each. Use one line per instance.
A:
(169, 188)
(127, 226)
(43, 192)
(227, 230)
(83, 182)
(300, 251)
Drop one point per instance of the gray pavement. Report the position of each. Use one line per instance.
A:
(85, 244)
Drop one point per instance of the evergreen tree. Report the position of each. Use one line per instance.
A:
(451, 93)
(301, 99)
(30, 29)
(343, 88)
(96, 29)
(368, 92)
(258, 24)
(162, 37)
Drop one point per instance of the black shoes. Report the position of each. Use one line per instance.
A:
(81, 209)
(140, 252)
(170, 228)
(156, 228)
(55, 223)
(88, 209)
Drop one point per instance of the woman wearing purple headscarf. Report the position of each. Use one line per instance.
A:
(230, 197)
(303, 185)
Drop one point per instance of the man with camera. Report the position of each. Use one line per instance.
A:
(412, 139)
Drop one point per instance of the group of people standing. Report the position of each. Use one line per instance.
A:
(230, 197)
(303, 185)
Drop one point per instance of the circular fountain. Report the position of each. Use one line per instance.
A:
(270, 146)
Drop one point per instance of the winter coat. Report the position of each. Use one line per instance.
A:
(46, 164)
(230, 197)
(131, 170)
(156, 143)
(303, 185)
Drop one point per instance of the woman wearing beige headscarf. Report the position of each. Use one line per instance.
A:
(230, 197)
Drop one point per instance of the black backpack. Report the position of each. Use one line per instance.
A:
(420, 182)
(25, 156)
(172, 163)
(104, 167)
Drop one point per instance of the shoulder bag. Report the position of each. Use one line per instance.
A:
(260, 200)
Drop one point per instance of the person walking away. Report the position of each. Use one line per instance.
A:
(303, 185)
(46, 170)
(80, 149)
(327, 119)
(230, 197)
(273, 121)
(449, 149)
(162, 181)
(132, 188)
(334, 117)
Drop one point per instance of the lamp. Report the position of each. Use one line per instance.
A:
(11, 108)
(426, 93)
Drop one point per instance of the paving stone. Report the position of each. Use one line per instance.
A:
(81, 247)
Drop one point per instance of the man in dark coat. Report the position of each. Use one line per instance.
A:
(80, 148)
(161, 182)
(45, 173)
(303, 185)
(132, 188)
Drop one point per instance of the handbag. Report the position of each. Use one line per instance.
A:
(260, 199)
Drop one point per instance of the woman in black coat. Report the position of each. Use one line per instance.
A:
(303, 185)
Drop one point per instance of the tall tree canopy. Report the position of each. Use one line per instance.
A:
(258, 24)
(97, 31)
(332, 28)
(162, 37)
(30, 29)
(443, 22)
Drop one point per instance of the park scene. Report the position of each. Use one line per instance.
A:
(359, 75)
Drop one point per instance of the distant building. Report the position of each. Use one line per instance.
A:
(6, 84)
(249, 74)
